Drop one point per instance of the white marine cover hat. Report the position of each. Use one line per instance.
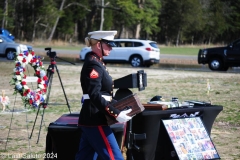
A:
(102, 35)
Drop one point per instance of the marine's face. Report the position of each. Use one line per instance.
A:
(106, 49)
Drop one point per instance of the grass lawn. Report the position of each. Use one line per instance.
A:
(186, 85)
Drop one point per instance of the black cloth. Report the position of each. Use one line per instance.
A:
(96, 81)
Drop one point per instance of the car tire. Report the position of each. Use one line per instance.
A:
(216, 64)
(136, 61)
(10, 54)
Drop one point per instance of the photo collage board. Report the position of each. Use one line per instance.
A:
(190, 139)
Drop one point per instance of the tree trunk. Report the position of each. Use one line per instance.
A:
(177, 40)
(90, 19)
(102, 16)
(138, 29)
(34, 29)
(5, 13)
(56, 22)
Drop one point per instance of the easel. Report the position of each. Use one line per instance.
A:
(50, 72)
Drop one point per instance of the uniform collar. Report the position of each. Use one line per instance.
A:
(97, 56)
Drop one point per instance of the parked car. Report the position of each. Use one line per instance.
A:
(221, 58)
(6, 33)
(134, 51)
(8, 47)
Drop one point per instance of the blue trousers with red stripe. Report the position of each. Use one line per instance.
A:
(100, 140)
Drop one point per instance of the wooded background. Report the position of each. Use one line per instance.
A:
(170, 22)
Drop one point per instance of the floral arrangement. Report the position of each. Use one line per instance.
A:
(30, 97)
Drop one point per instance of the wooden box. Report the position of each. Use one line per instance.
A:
(131, 101)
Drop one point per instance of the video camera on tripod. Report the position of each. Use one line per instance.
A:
(50, 53)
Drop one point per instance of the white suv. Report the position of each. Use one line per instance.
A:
(134, 51)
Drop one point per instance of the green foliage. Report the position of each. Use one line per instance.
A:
(151, 12)
(166, 21)
(129, 10)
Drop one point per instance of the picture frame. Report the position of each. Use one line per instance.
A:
(190, 139)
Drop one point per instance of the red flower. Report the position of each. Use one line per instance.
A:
(26, 92)
(40, 63)
(45, 86)
(44, 90)
(39, 80)
(24, 83)
(24, 60)
(32, 53)
(24, 77)
(45, 78)
(17, 64)
(30, 101)
(37, 73)
(37, 97)
(20, 54)
(33, 60)
(17, 73)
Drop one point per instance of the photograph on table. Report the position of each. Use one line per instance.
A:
(190, 139)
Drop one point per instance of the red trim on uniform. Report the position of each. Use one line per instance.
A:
(110, 152)
(111, 114)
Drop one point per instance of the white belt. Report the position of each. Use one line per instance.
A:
(107, 98)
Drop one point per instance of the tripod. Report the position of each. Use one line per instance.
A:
(50, 72)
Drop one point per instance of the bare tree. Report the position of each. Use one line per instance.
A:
(5, 13)
(56, 22)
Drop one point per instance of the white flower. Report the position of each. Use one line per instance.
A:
(41, 86)
(29, 57)
(20, 58)
(25, 87)
(42, 73)
(19, 77)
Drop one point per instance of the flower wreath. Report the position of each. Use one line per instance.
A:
(19, 79)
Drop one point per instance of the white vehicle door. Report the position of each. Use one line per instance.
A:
(123, 52)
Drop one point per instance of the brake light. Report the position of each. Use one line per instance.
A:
(149, 49)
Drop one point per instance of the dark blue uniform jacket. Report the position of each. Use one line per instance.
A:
(96, 81)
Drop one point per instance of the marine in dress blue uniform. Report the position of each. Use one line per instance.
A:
(97, 137)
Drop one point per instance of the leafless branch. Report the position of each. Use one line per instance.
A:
(78, 4)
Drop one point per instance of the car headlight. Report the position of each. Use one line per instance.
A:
(204, 53)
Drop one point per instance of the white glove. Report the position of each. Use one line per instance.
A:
(123, 117)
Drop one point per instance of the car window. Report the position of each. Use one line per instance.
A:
(117, 44)
(153, 44)
(124, 44)
(137, 44)
(128, 44)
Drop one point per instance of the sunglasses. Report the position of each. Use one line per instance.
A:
(109, 43)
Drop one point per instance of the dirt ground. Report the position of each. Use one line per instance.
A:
(16, 127)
